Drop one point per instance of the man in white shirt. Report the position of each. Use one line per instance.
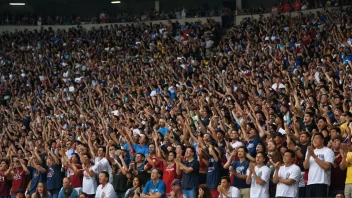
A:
(258, 176)
(226, 190)
(318, 160)
(100, 162)
(105, 189)
(287, 177)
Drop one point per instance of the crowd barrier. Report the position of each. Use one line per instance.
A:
(13, 28)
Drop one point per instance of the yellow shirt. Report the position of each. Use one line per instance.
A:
(349, 168)
(343, 129)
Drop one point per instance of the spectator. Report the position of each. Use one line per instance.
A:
(5, 178)
(239, 169)
(176, 191)
(319, 162)
(203, 191)
(337, 185)
(41, 191)
(67, 190)
(155, 187)
(19, 177)
(136, 189)
(189, 170)
(105, 189)
(258, 176)
(226, 190)
(287, 176)
(346, 155)
(20, 193)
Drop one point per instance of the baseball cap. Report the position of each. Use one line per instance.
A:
(176, 182)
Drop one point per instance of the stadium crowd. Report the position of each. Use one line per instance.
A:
(179, 110)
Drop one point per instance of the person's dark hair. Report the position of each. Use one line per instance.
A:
(319, 134)
(227, 178)
(244, 148)
(192, 148)
(85, 194)
(102, 147)
(105, 173)
(6, 161)
(265, 157)
(139, 179)
(291, 152)
(77, 156)
(88, 155)
(206, 190)
(157, 169)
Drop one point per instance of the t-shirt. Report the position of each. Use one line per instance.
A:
(349, 168)
(191, 180)
(252, 145)
(291, 172)
(101, 164)
(89, 183)
(163, 131)
(316, 174)
(37, 177)
(336, 174)
(53, 177)
(73, 193)
(169, 174)
(105, 192)
(19, 181)
(240, 168)
(5, 186)
(213, 174)
(76, 180)
(159, 187)
(233, 193)
(260, 191)
(141, 149)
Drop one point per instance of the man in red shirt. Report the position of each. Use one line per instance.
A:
(297, 5)
(287, 7)
(19, 173)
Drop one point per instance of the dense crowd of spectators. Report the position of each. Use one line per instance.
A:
(179, 110)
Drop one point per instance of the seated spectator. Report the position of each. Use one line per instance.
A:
(41, 191)
(226, 190)
(67, 190)
(176, 191)
(105, 189)
(155, 187)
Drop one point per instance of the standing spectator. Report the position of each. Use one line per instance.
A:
(213, 175)
(319, 162)
(5, 178)
(105, 189)
(297, 5)
(346, 163)
(19, 175)
(226, 190)
(239, 169)
(190, 173)
(337, 185)
(37, 172)
(155, 187)
(258, 175)
(89, 178)
(53, 173)
(67, 191)
(287, 177)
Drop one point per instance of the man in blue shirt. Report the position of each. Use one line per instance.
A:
(155, 187)
(239, 170)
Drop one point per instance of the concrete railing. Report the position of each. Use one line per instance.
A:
(13, 28)
(293, 14)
